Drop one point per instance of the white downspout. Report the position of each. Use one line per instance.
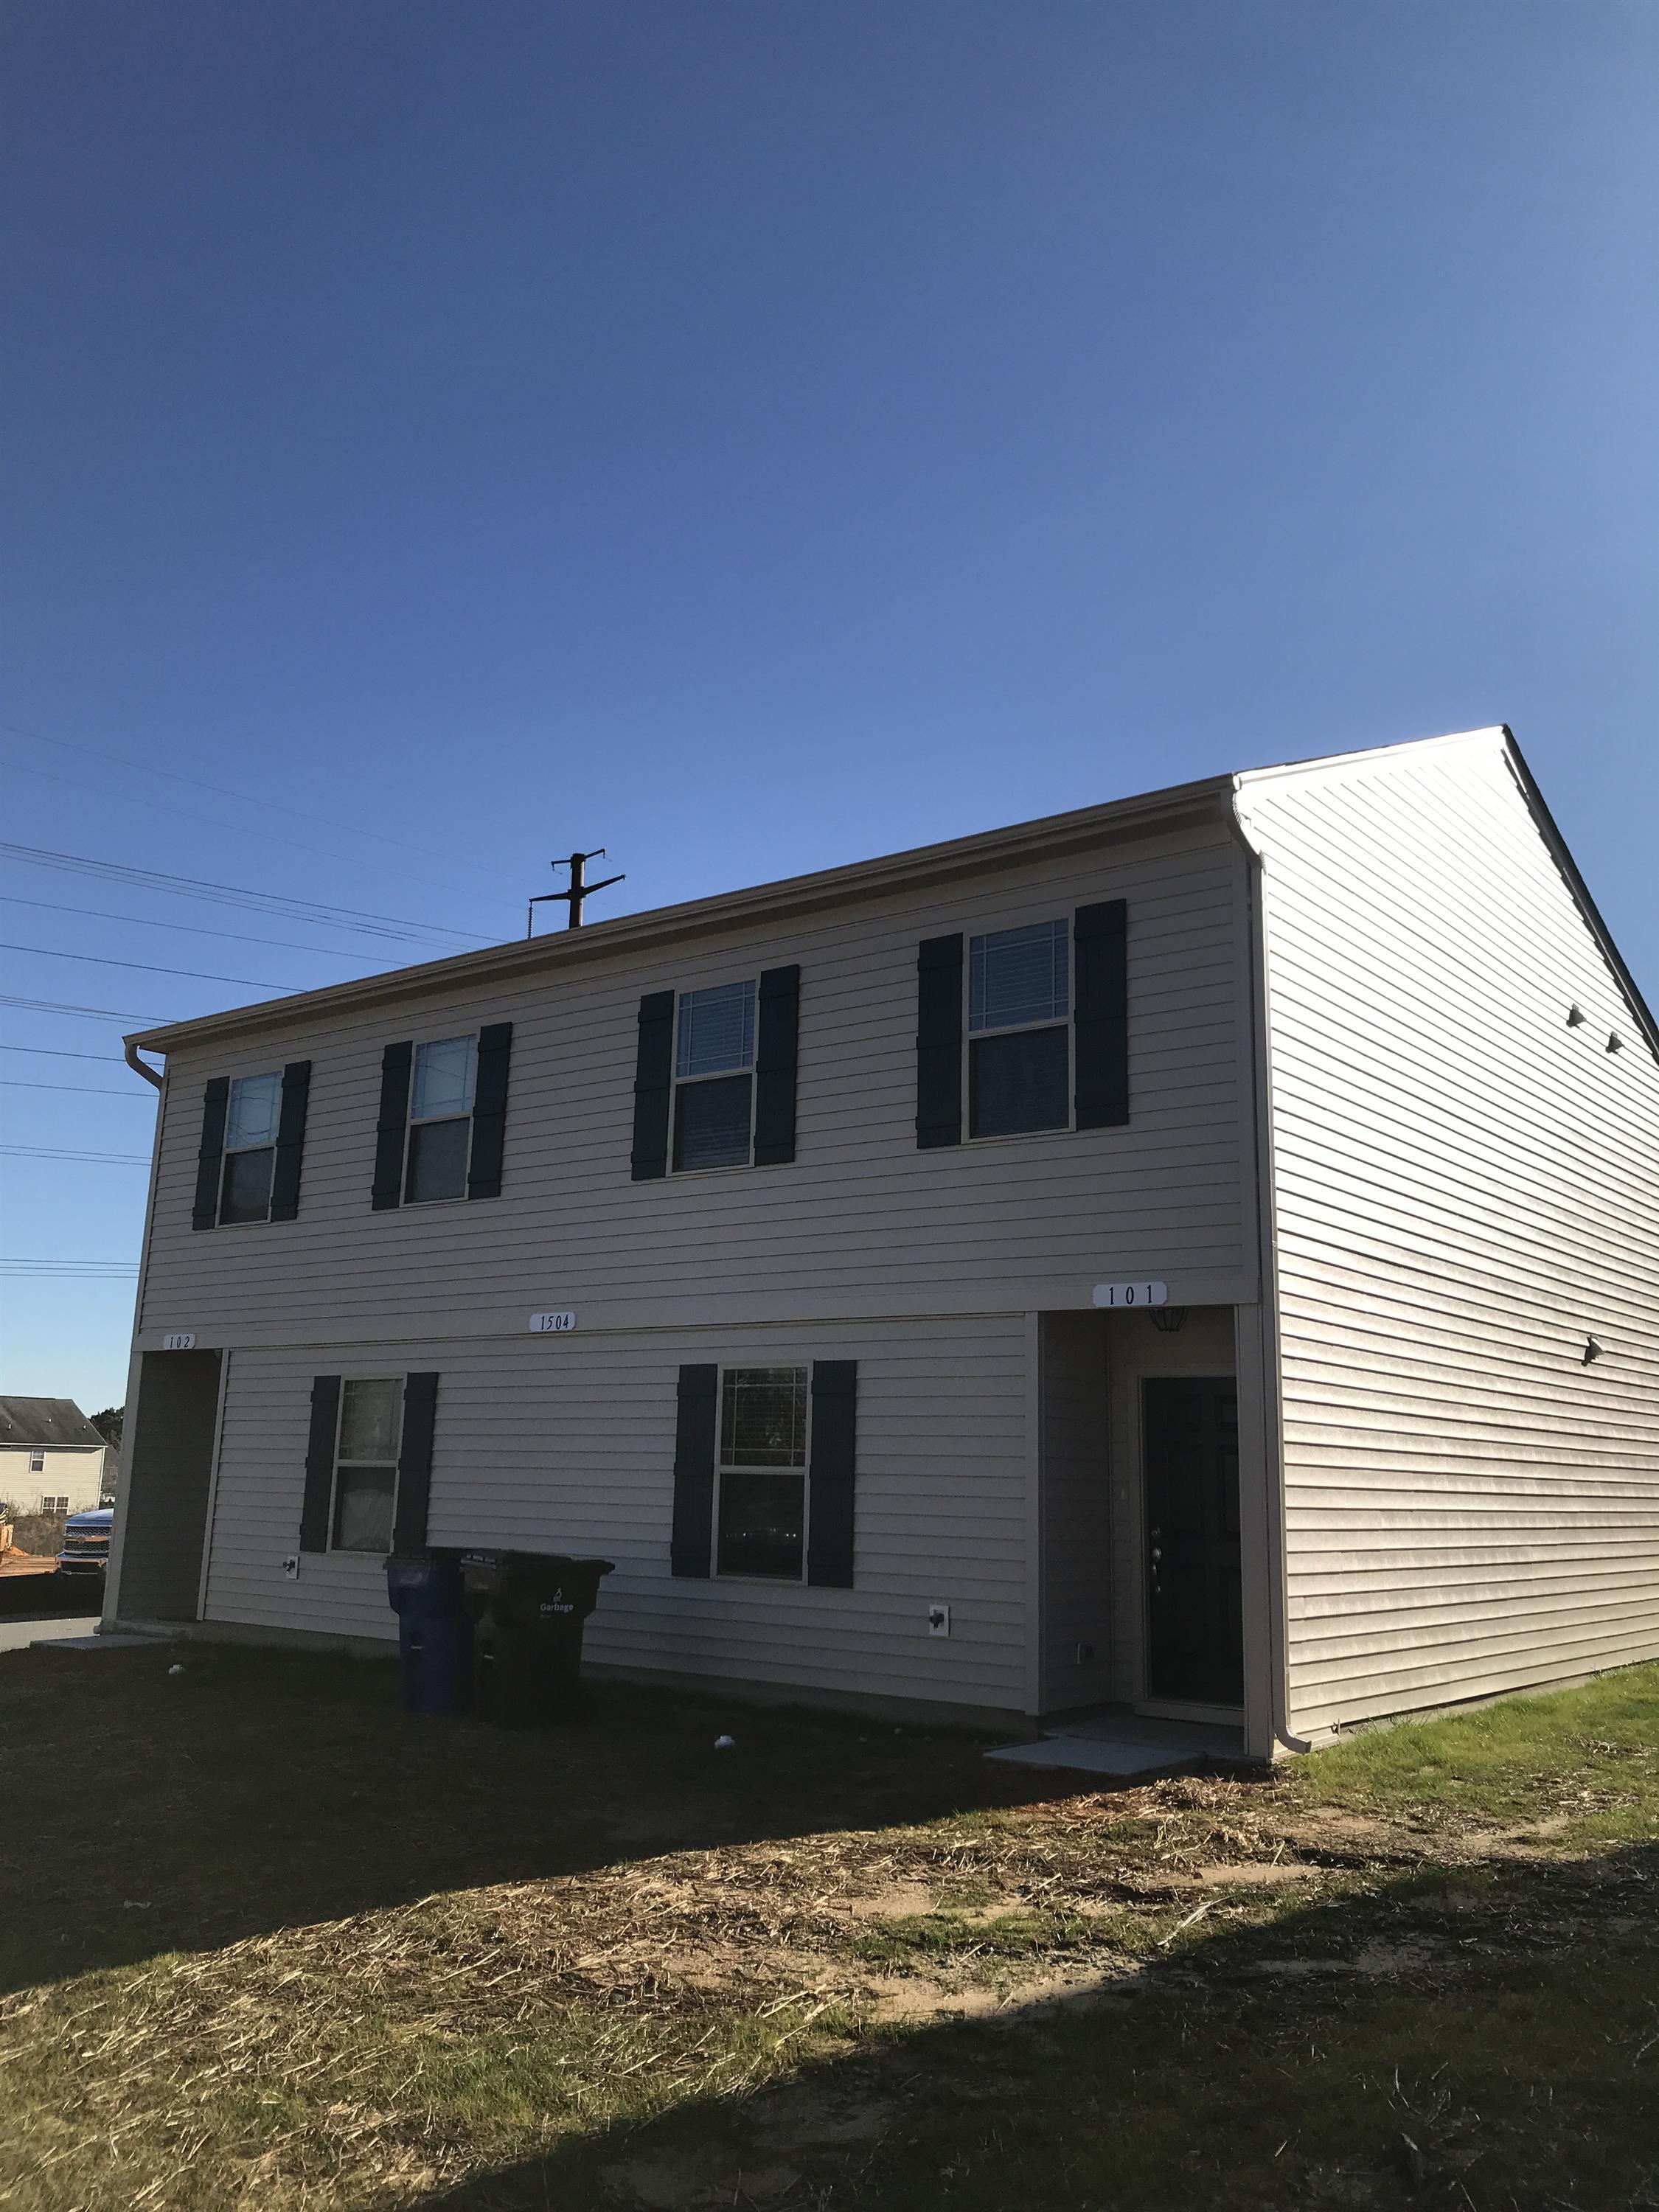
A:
(142, 1066)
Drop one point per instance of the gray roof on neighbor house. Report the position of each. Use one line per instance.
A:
(56, 1421)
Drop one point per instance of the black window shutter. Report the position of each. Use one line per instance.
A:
(1100, 947)
(319, 1463)
(415, 1462)
(392, 1127)
(835, 1439)
(290, 1141)
(776, 1056)
(654, 1083)
(216, 1100)
(694, 1471)
(939, 1042)
(484, 1178)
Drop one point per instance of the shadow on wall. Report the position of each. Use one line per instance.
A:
(1369, 2053)
(259, 1790)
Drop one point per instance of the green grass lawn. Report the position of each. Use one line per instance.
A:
(271, 1942)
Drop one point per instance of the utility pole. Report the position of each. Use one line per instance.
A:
(580, 888)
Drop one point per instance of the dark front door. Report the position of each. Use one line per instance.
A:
(1195, 1637)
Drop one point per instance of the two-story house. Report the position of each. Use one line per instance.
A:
(1199, 1254)
(52, 1458)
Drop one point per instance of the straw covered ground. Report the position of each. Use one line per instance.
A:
(271, 1942)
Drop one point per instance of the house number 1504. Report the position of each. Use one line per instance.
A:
(552, 1324)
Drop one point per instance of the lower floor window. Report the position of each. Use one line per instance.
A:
(1019, 1083)
(366, 1462)
(54, 1505)
(762, 1472)
(762, 1523)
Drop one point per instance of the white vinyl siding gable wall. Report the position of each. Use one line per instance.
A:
(1464, 1188)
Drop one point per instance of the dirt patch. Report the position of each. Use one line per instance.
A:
(894, 1900)
(1255, 1873)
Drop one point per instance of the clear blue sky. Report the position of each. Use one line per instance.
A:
(754, 436)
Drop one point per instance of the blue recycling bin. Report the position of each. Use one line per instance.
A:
(434, 1632)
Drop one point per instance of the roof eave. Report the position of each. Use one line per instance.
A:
(793, 898)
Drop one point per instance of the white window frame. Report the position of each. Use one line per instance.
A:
(970, 1036)
(715, 1075)
(803, 1367)
(37, 1459)
(351, 1551)
(226, 1150)
(413, 1122)
(55, 1504)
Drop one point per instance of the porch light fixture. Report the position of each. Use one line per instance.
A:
(1168, 1318)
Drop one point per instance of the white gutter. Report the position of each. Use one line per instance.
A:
(142, 1066)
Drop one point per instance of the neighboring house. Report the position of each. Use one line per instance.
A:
(52, 1458)
(801, 1251)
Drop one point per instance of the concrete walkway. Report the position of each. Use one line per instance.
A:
(18, 1635)
(1127, 1745)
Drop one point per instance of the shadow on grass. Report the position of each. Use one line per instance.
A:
(150, 1811)
(1486, 2039)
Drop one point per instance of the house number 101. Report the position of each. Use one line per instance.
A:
(1131, 1294)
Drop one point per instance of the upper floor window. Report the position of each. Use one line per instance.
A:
(440, 1119)
(442, 1125)
(761, 1513)
(714, 1077)
(1019, 1030)
(38, 1460)
(365, 1463)
(251, 1114)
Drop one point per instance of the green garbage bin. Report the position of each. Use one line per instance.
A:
(528, 1610)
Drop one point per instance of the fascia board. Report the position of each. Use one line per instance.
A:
(1204, 804)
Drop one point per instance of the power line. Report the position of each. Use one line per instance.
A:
(58, 1052)
(144, 967)
(230, 829)
(69, 1270)
(271, 902)
(86, 1090)
(249, 799)
(187, 928)
(93, 1013)
(58, 1152)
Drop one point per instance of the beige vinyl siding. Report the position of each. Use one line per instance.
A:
(567, 1444)
(862, 1221)
(71, 1472)
(1464, 1188)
